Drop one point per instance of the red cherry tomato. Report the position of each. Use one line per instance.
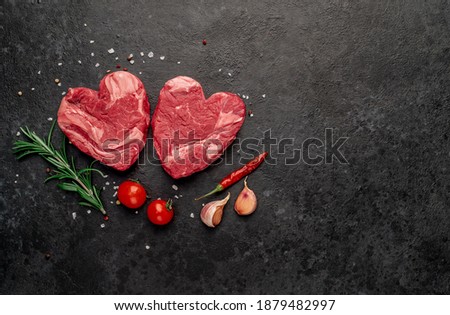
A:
(131, 194)
(160, 212)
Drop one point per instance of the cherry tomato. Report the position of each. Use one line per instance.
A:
(131, 194)
(160, 212)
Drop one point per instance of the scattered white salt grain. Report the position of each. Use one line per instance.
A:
(103, 188)
(107, 183)
(181, 196)
(176, 196)
(49, 118)
(91, 41)
(243, 96)
(159, 198)
(15, 182)
(247, 97)
(102, 225)
(59, 84)
(147, 247)
(220, 70)
(162, 57)
(150, 54)
(63, 93)
(105, 176)
(97, 65)
(140, 72)
(60, 64)
(251, 115)
(115, 187)
(74, 215)
(137, 212)
(178, 62)
(117, 58)
(33, 89)
(79, 61)
(229, 74)
(203, 204)
(192, 215)
(111, 202)
(114, 182)
(143, 61)
(18, 133)
(142, 54)
(92, 54)
(88, 211)
(17, 175)
(264, 96)
(111, 50)
(131, 61)
(174, 187)
(115, 194)
(39, 72)
(85, 24)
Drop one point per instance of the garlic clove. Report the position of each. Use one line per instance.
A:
(246, 201)
(212, 212)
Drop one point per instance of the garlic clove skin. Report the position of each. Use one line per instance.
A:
(246, 202)
(212, 212)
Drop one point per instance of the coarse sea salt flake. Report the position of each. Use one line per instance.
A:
(162, 57)
(229, 74)
(176, 196)
(59, 84)
(174, 187)
(131, 61)
(150, 54)
(63, 93)
(79, 61)
(49, 118)
(88, 211)
(74, 215)
(59, 63)
(111, 50)
(192, 215)
(39, 72)
(97, 65)
(33, 89)
(91, 41)
(115, 194)
(92, 54)
(102, 225)
(142, 54)
(147, 247)
(18, 133)
(264, 96)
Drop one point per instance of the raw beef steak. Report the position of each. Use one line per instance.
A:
(110, 125)
(189, 132)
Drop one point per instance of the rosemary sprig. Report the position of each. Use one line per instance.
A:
(79, 181)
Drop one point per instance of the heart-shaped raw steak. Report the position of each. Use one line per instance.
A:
(189, 132)
(110, 125)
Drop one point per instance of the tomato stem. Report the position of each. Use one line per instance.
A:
(169, 204)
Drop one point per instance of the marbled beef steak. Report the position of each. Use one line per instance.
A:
(190, 132)
(110, 124)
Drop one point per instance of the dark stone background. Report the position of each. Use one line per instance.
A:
(374, 71)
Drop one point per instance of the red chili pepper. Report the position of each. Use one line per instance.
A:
(237, 175)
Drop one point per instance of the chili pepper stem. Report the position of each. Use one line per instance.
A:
(215, 190)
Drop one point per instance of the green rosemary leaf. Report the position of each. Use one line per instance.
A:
(76, 180)
(68, 186)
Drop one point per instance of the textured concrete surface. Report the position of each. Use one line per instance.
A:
(376, 72)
